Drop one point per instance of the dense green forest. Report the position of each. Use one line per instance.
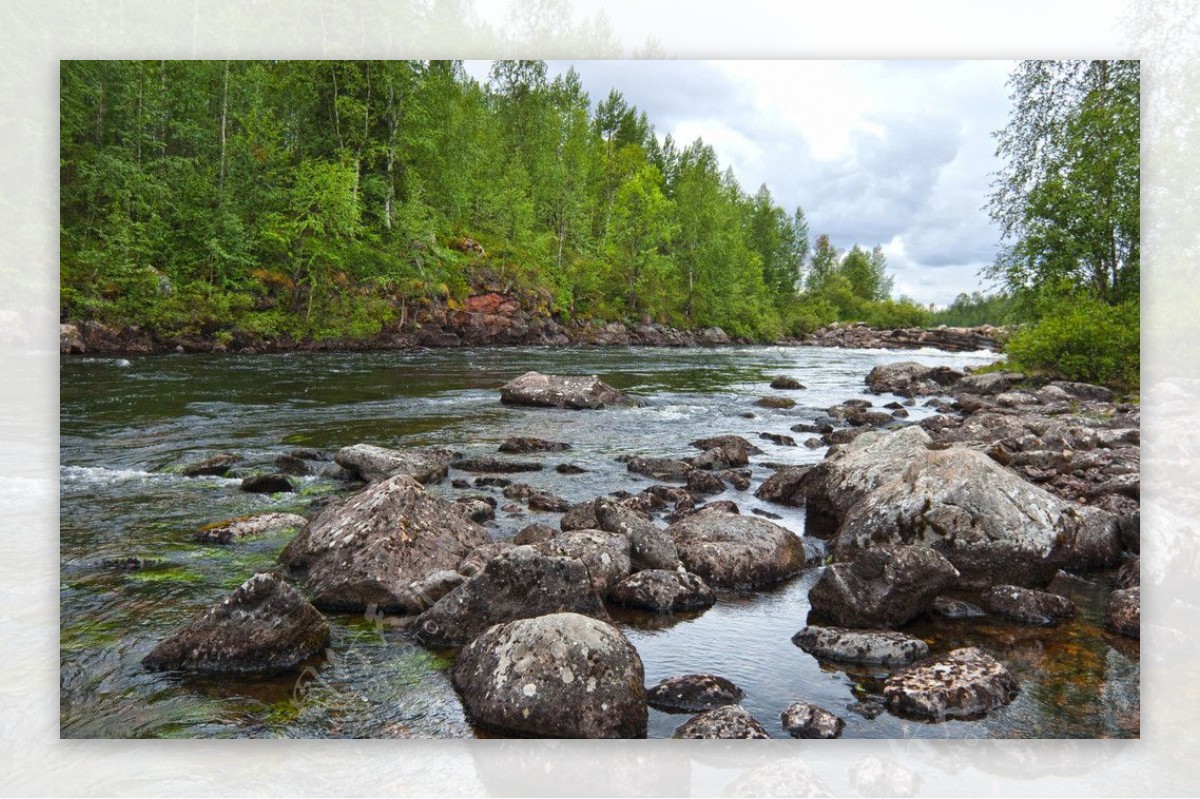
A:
(318, 199)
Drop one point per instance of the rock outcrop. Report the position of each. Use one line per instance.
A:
(555, 391)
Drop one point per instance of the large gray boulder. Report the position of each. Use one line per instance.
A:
(649, 546)
(806, 720)
(911, 379)
(517, 584)
(963, 684)
(733, 551)
(884, 586)
(368, 550)
(372, 463)
(994, 527)
(852, 470)
(265, 625)
(560, 675)
(555, 391)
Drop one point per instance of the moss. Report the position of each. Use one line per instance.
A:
(176, 574)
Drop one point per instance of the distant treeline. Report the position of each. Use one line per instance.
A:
(314, 199)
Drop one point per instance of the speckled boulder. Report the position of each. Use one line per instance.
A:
(554, 391)
(561, 675)
(692, 693)
(1124, 614)
(962, 684)
(733, 551)
(730, 721)
(265, 625)
(605, 555)
(860, 646)
(232, 530)
(1027, 605)
(520, 583)
(367, 550)
(662, 591)
(806, 720)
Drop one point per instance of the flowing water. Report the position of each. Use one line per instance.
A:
(127, 425)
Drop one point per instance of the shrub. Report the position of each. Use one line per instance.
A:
(1080, 338)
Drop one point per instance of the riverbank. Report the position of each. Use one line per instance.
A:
(494, 320)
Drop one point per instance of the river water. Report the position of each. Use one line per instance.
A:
(126, 425)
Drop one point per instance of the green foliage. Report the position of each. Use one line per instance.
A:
(972, 310)
(1081, 338)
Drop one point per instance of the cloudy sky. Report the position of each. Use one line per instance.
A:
(897, 153)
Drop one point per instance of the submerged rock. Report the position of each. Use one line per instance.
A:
(264, 625)
(367, 550)
(1027, 605)
(372, 463)
(775, 402)
(860, 646)
(231, 530)
(267, 484)
(662, 591)
(495, 465)
(733, 551)
(560, 675)
(520, 445)
(965, 683)
(214, 466)
(951, 608)
(660, 468)
(554, 391)
(518, 584)
(692, 693)
(783, 382)
(730, 721)
(806, 720)
(885, 586)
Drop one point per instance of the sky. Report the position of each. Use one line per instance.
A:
(897, 153)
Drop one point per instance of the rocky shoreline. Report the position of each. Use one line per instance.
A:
(970, 513)
(497, 319)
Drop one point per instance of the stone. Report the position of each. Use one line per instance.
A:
(495, 465)
(213, 466)
(692, 693)
(660, 468)
(963, 684)
(988, 383)
(553, 391)
(737, 552)
(518, 584)
(1130, 574)
(729, 721)
(786, 486)
(1124, 614)
(785, 383)
(844, 645)
(854, 469)
(435, 586)
(1027, 605)
(534, 533)
(232, 530)
(721, 458)
(910, 379)
(548, 503)
(560, 675)
(372, 463)
(649, 546)
(951, 608)
(477, 509)
(367, 550)
(778, 439)
(523, 444)
(806, 720)
(267, 484)
(569, 468)
(263, 626)
(726, 442)
(700, 481)
(775, 402)
(580, 517)
(662, 591)
(994, 527)
(885, 586)
(606, 555)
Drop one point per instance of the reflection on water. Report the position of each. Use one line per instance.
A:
(124, 431)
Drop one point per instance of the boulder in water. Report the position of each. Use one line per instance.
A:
(962, 684)
(692, 693)
(806, 720)
(265, 625)
(213, 466)
(1027, 605)
(884, 586)
(860, 646)
(555, 391)
(733, 551)
(662, 591)
(372, 463)
(729, 721)
(231, 530)
(559, 675)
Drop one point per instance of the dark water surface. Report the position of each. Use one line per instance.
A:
(125, 428)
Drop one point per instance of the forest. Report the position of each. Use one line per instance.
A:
(315, 200)
(320, 198)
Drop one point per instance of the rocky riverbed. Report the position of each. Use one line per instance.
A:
(920, 554)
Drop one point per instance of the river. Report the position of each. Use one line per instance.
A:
(126, 425)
